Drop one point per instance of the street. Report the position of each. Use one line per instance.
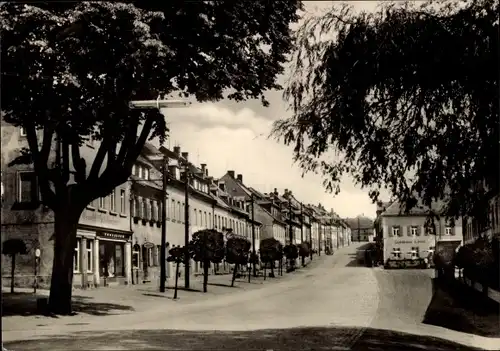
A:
(334, 304)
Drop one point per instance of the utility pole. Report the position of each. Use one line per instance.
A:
(290, 218)
(186, 226)
(163, 253)
(302, 229)
(253, 237)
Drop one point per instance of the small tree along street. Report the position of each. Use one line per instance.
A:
(207, 246)
(71, 69)
(407, 96)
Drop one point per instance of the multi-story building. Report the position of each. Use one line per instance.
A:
(241, 196)
(361, 228)
(267, 211)
(104, 235)
(406, 235)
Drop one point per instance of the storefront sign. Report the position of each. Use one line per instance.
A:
(410, 241)
(114, 236)
(148, 245)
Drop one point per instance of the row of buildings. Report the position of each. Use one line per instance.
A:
(119, 236)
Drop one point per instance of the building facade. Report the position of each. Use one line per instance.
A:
(406, 235)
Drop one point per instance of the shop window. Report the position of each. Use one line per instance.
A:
(76, 257)
(111, 259)
(90, 256)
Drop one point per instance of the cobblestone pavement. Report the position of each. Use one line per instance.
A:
(332, 304)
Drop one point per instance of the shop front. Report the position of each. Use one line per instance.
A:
(114, 258)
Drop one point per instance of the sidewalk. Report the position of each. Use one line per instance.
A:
(19, 309)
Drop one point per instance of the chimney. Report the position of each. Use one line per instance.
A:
(203, 167)
(185, 155)
(240, 178)
(275, 191)
(231, 173)
(206, 172)
(177, 150)
(286, 192)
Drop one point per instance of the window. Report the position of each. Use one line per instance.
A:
(172, 209)
(122, 201)
(205, 220)
(133, 170)
(76, 257)
(210, 221)
(182, 211)
(28, 191)
(414, 252)
(22, 131)
(396, 252)
(112, 200)
(102, 202)
(139, 171)
(179, 210)
(414, 231)
(146, 173)
(430, 230)
(448, 231)
(89, 255)
(395, 231)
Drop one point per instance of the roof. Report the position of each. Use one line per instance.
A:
(396, 209)
(360, 222)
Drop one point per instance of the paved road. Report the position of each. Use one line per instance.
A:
(335, 305)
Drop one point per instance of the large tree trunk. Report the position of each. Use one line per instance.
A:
(66, 222)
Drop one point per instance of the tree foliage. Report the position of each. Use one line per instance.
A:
(72, 68)
(304, 250)
(237, 249)
(270, 250)
(92, 58)
(407, 97)
(207, 246)
(291, 252)
(12, 247)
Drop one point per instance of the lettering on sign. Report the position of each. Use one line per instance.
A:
(112, 236)
(410, 241)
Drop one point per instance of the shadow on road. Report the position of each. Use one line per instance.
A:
(269, 339)
(355, 263)
(224, 285)
(24, 304)
(458, 307)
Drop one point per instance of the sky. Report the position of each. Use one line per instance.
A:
(234, 136)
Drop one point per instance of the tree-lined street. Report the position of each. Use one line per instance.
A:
(334, 303)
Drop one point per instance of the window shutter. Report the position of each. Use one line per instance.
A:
(408, 230)
(159, 207)
(418, 231)
(133, 208)
(139, 207)
(453, 230)
(391, 234)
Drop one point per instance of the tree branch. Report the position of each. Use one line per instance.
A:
(78, 163)
(40, 159)
(98, 160)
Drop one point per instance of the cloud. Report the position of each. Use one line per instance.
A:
(229, 139)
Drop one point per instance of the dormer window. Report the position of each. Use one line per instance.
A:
(222, 186)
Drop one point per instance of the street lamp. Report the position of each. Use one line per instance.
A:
(159, 104)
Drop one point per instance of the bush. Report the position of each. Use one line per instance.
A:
(480, 261)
